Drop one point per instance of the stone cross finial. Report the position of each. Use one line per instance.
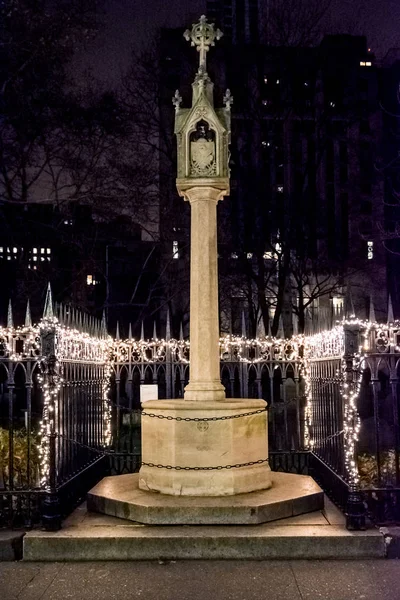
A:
(228, 99)
(203, 35)
(176, 100)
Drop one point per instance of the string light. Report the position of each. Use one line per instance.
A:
(71, 345)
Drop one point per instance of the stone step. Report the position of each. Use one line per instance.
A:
(318, 535)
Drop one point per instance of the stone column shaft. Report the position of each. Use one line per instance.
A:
(205, 382)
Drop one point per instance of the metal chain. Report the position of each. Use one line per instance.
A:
(198, 419)
(176, 468)
(219, 468)
(330, 437)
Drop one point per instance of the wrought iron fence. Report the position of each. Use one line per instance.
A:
(54, 414)
(353, 410)
(70, 409)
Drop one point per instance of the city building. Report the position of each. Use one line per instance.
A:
(307, 136)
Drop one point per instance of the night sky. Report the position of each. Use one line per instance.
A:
(130, 22)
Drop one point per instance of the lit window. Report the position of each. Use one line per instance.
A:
(89, 279)
(34, 250)
(8, 257)
(265, 79)
(278, 247)
(48, 250)
(35, 258)
(337, 303)
(249, 255)
(265, 102)
(8, 250)
(234, 255)
(1, 249)
(175, 249)
(370, 250)
(362, 63)
(15, 250)
(42, 250)
(368, 64)
(268, 255)
(277, 82)
(280, 189)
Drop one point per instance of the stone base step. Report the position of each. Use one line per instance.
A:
(89, 537)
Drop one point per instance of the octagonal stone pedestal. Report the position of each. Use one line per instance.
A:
(203, 449)
(290, 495)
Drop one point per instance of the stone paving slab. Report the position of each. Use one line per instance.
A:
(202, 580)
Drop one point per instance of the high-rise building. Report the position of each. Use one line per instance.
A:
(307, 135)
(238, 19)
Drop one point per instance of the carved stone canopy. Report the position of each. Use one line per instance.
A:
(203, 132)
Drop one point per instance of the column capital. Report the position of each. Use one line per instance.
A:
(212, 190)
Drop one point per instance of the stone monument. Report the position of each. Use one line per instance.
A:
(204, 445)
(205, 455)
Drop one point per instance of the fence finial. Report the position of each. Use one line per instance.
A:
(117, 336)
(349, 312)
(243, 324)
(390, 317)
(154, 331)
(142, 332)
(103, 332)
(295, 323)
(181, 331)
(281, 331)
(372, 317)
(28, 318)
(168, 327)
(48, 304)
(130, 331)
(10, 320)
(260, 329)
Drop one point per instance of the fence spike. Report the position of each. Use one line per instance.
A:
(28, 318)
(10, 319)
(48, 304)
(390, 317)
(142, 332)
(130, 331)
(154, 331)
(103, 332)
(67, 315)
(181, 331)
(295, 323)
(281, 332)
(372, 317)
(243, 324)
(260, 329)
(117, 336)
(168, 327)
(268, 332)
(349, 312)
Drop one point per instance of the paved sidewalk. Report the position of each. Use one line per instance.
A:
(202, 580)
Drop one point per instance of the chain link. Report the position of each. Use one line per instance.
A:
(169, 467)
(219, 468)
(330, 437)
(199, 419)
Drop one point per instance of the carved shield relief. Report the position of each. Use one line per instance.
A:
(202, 153)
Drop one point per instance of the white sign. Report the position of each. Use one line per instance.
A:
(148, 392)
